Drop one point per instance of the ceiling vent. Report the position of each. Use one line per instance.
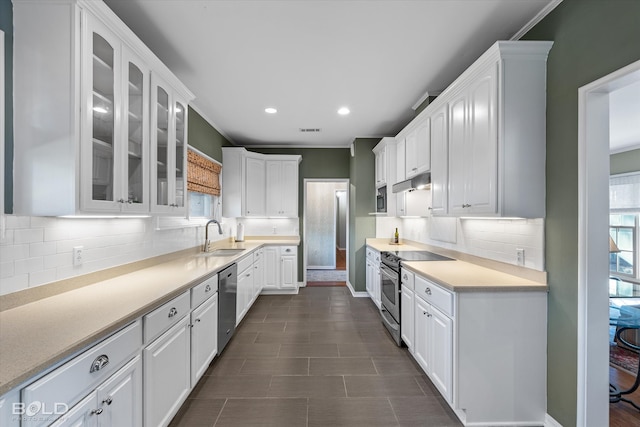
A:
(310, 130)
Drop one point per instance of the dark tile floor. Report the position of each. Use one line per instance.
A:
(319, 358)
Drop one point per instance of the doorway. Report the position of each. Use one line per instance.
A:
(325, 232)
(593, 236)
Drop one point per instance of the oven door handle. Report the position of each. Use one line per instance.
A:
(388, 319)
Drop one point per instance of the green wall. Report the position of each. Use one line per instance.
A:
(6, 25)
(205, 137)
(628, 161)
(592, 38)
(362, 196)
(317, 163)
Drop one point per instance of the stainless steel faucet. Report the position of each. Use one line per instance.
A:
(207, 243)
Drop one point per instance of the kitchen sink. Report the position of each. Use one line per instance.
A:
(224, 252)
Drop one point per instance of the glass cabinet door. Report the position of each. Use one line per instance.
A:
(103, 106)
(180, 154)
(162, 147)
(136, 136)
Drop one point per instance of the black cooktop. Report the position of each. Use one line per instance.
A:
(414, 256)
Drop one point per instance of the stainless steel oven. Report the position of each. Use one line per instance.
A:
(390, 300)
(390, 286)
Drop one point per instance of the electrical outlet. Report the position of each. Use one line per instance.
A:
(77, 255)
(520, 256)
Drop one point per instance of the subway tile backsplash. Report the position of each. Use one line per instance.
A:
(38, 250)
(495, 239)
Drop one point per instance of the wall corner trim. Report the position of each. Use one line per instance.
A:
(357, 294)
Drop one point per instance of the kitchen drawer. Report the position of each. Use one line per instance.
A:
(165, 316)
(373, 255)
(288, 250)
(72, 381)
(245, 263)
(200, 293)
(407, 278)
(434, 295)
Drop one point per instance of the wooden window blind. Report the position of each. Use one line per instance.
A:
(203, 175)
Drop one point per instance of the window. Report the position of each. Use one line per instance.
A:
(623, 229)
(203, 184)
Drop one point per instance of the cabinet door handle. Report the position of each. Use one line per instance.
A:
(108, 400)
(99, 363)
(428, 291)
(197, 320)
(207, 289)
(466, 205)
(173, 312)
(96, 411)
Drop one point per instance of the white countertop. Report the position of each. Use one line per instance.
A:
(39, 334)
(465, 276)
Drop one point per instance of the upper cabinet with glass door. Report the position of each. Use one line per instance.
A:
(115, 150)
(168, 149)
(85, 148)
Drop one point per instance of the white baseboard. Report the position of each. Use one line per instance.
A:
(358, 294)
(550, 422)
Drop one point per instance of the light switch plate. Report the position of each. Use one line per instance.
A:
(520, 256)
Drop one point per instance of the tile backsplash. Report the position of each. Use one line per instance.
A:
(38, 250)
(495, 239)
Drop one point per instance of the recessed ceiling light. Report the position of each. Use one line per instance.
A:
(343, 111)
(270, 110)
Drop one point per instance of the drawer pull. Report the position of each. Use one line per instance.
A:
(207, 289)
(108, 400)
(96, 411)
(173, 312)
(428, 291)
(100, 362)
(287, 250)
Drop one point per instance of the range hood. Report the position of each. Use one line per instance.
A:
(418, 182)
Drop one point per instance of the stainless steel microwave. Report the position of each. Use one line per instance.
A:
(381, 200)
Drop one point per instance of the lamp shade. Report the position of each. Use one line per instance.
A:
(613, 248)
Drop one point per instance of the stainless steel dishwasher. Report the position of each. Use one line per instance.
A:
(227, 290)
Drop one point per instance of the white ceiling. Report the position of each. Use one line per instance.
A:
(307, 58)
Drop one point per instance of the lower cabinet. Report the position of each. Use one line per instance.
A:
(204, 337)
(117, 402)
(258, 273)
(485, 351)
(434, 345)
(406, 318)
(167, 374)
(280, 268)
(372, 275)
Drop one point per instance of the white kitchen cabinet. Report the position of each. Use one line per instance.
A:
(372, 275)
(255, 192)
(418, 149)
(167, 374)
(497, 111)
(440, 160)
(280, 269)
(168, 149)
(282, 188)
(464, 340)
(258, 273)
(86, 148)
(406, 317)
(473, 146)
(244, 289)
(117, 402)
(380, 165)
(434, 335)
(401, 174)
(407, 320)
(258, 184)
(204, 337)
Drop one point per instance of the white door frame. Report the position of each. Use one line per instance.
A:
(593, 231)
(304, 220)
